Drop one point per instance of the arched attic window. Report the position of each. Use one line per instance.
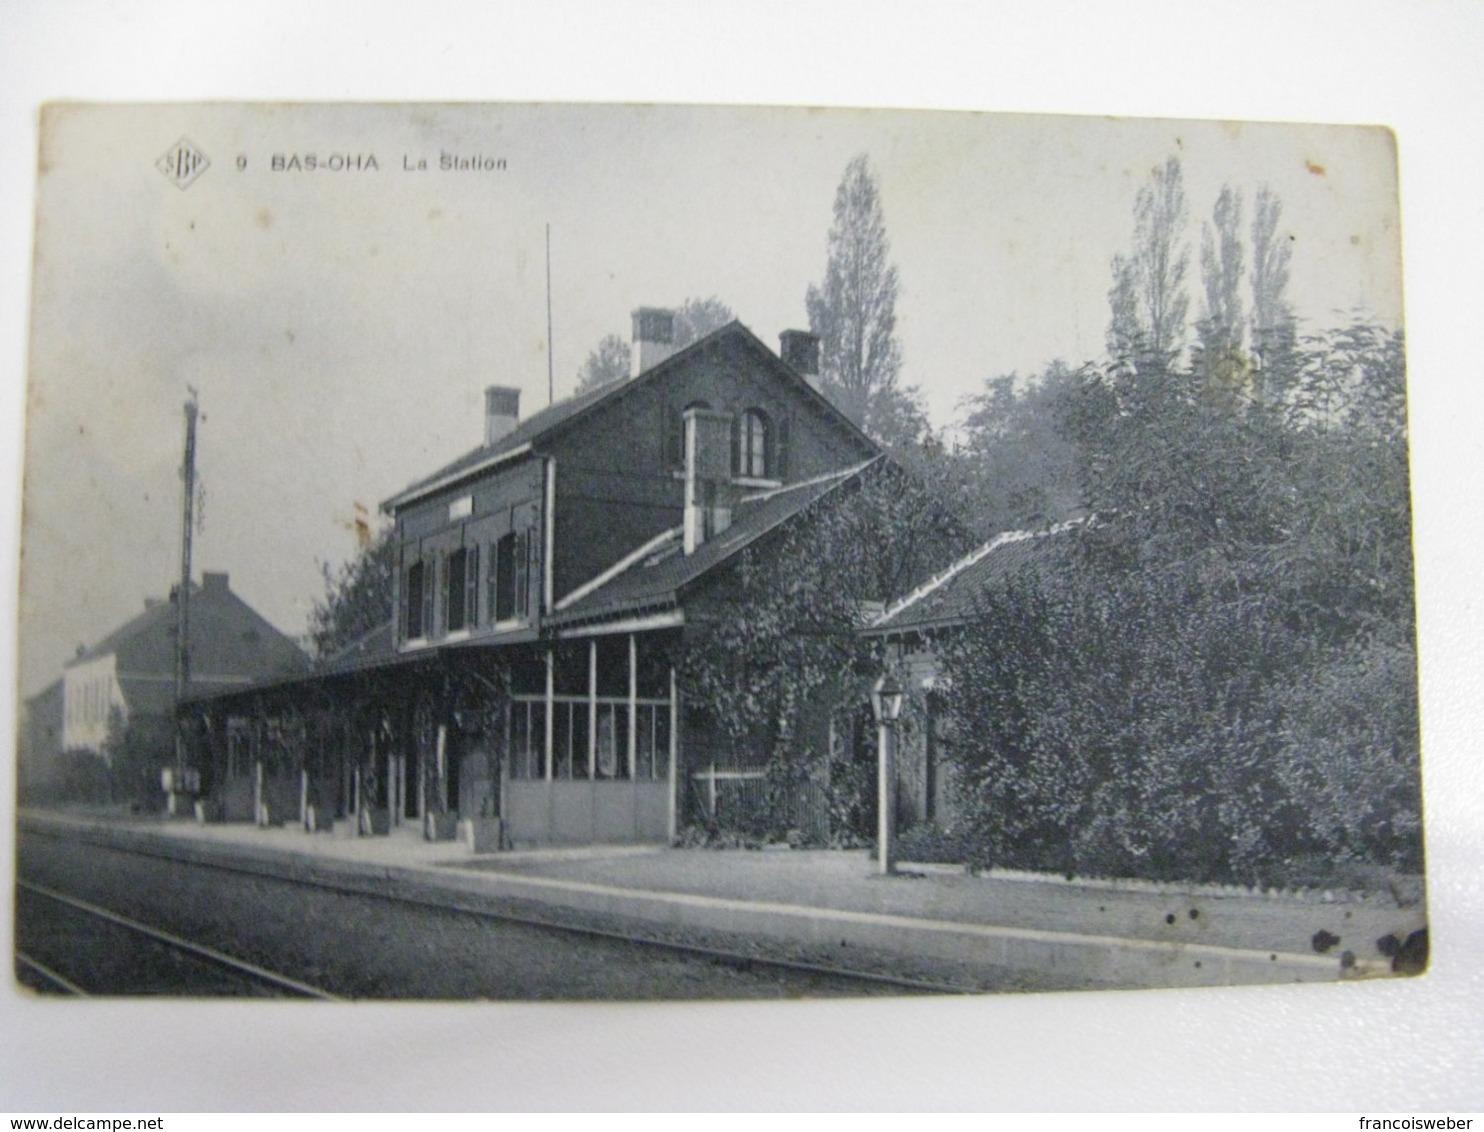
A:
(759, 447)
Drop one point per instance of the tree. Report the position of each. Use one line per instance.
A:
(610, 360)
(1020, 468)
(1215, 677)
(854, 310)
(779, 640)
(607, 362)
(1148, 302)
(136, 750)
(1274, 332)
(696, 318)
(358, 597)
(1219, 358)
(1125, 336)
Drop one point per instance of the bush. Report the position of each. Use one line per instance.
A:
(1216, 679)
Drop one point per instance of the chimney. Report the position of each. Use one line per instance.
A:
(501, 413)
(214, 582)
(799, 350)
(654, 338)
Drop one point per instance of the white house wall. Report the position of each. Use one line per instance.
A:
(90, 692)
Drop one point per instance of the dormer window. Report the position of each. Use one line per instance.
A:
(753, 438)
(760, 447)
(675, 433)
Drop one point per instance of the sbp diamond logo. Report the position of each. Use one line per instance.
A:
(182, 163)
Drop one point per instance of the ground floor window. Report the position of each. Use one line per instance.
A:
(611, 754)
(607, 737)
(652, 741)
(569, 738)
(527, 737)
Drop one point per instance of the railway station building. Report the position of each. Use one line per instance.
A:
(525, 692)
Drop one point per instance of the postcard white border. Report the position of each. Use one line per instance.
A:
(1399, 1045)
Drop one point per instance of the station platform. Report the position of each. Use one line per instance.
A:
(1058, 933)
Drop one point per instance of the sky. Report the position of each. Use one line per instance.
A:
(341, 322)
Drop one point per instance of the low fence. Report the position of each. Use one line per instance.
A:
(748, 802)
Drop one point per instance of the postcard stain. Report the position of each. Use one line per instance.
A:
(1317, 169)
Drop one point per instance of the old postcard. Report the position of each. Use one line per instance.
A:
(613, 552)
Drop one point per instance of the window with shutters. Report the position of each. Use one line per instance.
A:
(502, 578)
(752, 445)
(453, 590)
(461, 589)
(511, 569)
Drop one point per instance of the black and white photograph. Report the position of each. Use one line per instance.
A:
(614, 542)
(663, 556)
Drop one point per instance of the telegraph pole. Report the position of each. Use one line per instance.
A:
(183, 593)
(187, 526)
(550, 379)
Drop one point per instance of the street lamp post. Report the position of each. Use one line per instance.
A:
(886, 704)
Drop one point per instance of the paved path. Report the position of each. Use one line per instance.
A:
(1095, 934)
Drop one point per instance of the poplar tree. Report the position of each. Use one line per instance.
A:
(854, 310)
(1274, 328)
(1148, 303)
(1219, 358)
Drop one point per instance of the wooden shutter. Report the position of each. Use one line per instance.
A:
(404, 603)
(522, 573)
(444, 605)
(737, 468)
(779, 457)
(416, 624)
(471, 586)
(492, 583)
(430, 583)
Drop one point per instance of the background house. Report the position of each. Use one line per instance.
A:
(117, 699)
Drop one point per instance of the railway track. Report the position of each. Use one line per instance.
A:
(749, 961)
(276, 983)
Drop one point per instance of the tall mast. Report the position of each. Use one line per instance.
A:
(550, 380)
(187, 525)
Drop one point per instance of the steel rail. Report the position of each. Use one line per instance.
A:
(199, 950)
(715, 954)
(49, 975)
